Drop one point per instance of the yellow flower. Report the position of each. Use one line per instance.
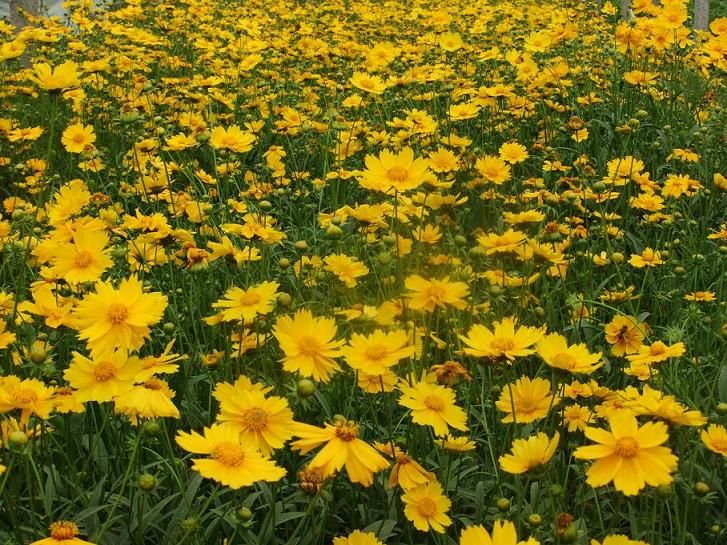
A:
(503, 533)
(346, 268)
(509, 241)
(357, 537)
(625, 334)
(576, 417)
(233, 138)
(63, 76)
(426, 507)
(389, 172)
(84, 259)
(104, 377)
(503, 341)
(493, 169)
(428, 295)
(618, 539)
(343, 449)
(180, 142)
(433, 405)
(715, 439)
(309, 345)
(407, 472)
(556, 352)
(529, 453)
(366, 82)
(376, 353)
(30, 396)
(230, 462)
(450, 41)
(455, 444)
(151, 399)
(76, 138)
(526, 400)
(513, 152)
(657, 352)
(263, 422)
(629, 455)
(62, 532)
(702, 296)
(6, 337)
(246, 305)
(647, 258)
(118, 318)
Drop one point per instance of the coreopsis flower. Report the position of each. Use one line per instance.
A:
(503, 533)
(624, 334)
(357, 537)
(246, 304)
(264, 422)
(529, 453)
(150, 399)
(376, 353)
(77, 137)
(426, 507)
(505, 340)
(618, 539)
(376, 384)
(346, 268)
(513, 152)
(715, 439)
(428, 295)
(64, 76)
(30, 396)
(407, 472)
(433, 405)
(557, 353)
(342, 449)
(6, 337)
(180, 142)
(629, 455)
(103, 377)
(231, 462)
(65, 401)
(118, 318)
(493, 169)
(455, 444)
(701, 296)
(648, 258)
(389, 172)
(527, 400)
(656, 352)
(368, 83)
(62, 532)
(510, 241)
(308, 344)
(576, 417)
(84, 259)
(450, 41)
(652, 402)
(232, 138)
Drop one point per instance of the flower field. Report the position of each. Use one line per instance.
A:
(361, 272)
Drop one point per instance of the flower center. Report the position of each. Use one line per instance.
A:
(255, 419)
(347, 432)
(83, 259)
(104, 371)
(397, 174)
(229, 454)
(118, 313)
(376, 353)
(63, 530)
(24, 396)
(436, 292)
(720, 445)
(309, 346)
(565, 360)
(249, 299)
(427, 508)
(627, 447)
(657, 349)
(502, 344)
(434, 403)
(153, 384)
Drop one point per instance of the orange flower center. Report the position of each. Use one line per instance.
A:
(627, 447)
(153, 384)
(62, 530)
(309, 346)
(229, 454)
(255, 419)
(376, 353)
(83, 259)
(434, 403)
(249, 299)
(104, 371)
(720, 445)
(24, 396)
(502, 344)
(347, 432)
(436, 292)
(564, 359)
(118, 313)
(657, 349)
(427, 508)
(397, 174)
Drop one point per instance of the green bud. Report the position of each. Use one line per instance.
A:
(38, 355)
(534, 519)
(284, 299)
(305, 388)
(147, 482)
(17, 441)
(460, 241)
(169, 328)
(265, 206)
(701, 488)
(503, 505)
(244, 514)
(284, 263)
(301, 245)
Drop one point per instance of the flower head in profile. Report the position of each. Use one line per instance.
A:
(715, 439)
(64, 76)
(150, 399)
(506, 340)
(118, 318)
(309, 345)
(629, 455)
(618, 539)
(62, 532)
(357, 537)
(557, 353)
(368, 83)
(433, 405)
(230, 461)
(426, 507)
(407, 472)
(527, 400)
(503, 533)
(657, 352)
(342, 449)
(389, 172)
(529, 453)
(232, 138)
(428, 295)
